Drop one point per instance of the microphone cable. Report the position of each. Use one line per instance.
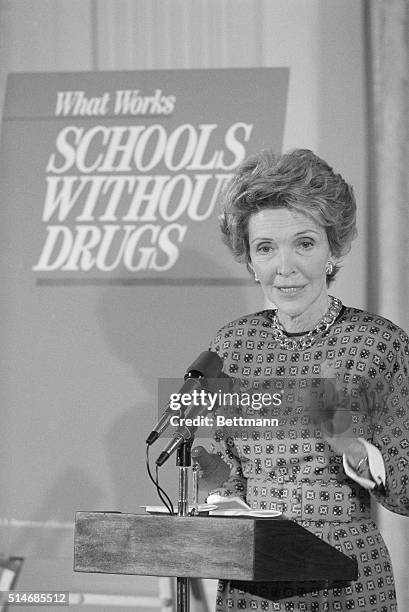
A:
(164, 497)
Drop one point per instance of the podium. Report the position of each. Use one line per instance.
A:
(234, 548)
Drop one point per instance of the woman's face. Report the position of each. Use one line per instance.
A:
(289, 252)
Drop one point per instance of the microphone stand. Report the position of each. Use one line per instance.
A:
(183, 461)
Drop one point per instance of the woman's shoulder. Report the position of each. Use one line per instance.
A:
(369, 323)
(247, 324)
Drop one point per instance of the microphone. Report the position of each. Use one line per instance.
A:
(183, 433)
(207, 365)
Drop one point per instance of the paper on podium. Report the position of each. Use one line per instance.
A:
(235, 506)
(201, 508)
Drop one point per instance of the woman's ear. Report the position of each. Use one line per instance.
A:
(252, 271)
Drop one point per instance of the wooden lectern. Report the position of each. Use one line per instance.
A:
(236, 548)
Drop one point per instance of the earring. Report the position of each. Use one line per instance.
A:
(251, 269)
(329, 268)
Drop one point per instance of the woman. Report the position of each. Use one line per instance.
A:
(291, 219)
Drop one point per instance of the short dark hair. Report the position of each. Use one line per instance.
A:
(298, 180)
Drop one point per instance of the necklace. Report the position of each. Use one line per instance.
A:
(309, 338)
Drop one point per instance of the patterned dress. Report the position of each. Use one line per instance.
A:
(290, 467)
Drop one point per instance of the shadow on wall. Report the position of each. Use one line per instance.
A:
(39, 538)
(159, 330)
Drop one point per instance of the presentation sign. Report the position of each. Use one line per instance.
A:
(118, 174)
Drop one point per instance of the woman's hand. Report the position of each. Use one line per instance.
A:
(213, 471)
(332, 414)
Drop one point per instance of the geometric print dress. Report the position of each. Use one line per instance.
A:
(290, 467)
